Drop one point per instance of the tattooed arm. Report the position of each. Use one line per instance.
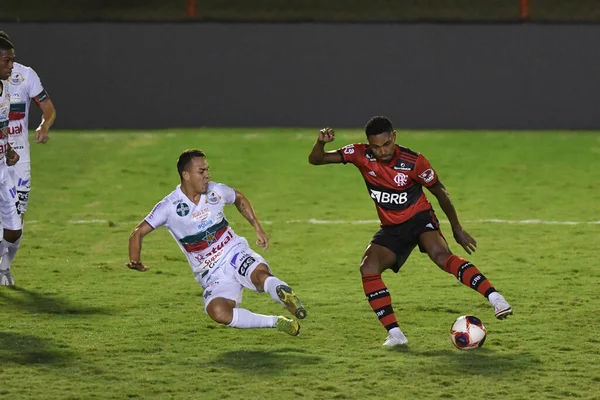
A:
(245, 208)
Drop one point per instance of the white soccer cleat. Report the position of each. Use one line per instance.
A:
(6, 278)
(396, 340)
(501, 307)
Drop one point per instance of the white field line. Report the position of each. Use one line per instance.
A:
(314, 221)
(88, 221)
(332, 222)
(533, 221)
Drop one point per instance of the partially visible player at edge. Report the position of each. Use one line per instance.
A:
(222, 262)
(395, 177)
(11, 222)
(24, 85)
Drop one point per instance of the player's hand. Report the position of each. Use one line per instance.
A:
(326, 135)
(138, 266)
(465, 240)
(41, 135)
(11, 157)
(262, 239)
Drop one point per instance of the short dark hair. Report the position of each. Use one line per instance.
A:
(4, 35)
(6, 44)
(185, 158)
(378, 125)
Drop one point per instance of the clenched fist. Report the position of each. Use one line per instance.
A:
(326, 135)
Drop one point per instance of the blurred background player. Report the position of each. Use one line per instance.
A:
(8, 194)
(395, 177)
(24, 85)
(222, 261)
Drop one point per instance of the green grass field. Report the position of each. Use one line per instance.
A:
(80, 325)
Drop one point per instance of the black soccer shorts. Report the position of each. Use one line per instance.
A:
(404, 237)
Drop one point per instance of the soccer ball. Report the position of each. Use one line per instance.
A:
(468, 332)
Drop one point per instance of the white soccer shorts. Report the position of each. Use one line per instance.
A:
(231, 274)
(21, 176)
(8, 201)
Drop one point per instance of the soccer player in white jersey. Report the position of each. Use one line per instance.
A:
(24, 85)
(222, 262)
(8, 193)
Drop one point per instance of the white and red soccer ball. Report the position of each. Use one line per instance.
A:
(468, 332)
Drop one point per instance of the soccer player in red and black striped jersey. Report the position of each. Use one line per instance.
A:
(395, 177)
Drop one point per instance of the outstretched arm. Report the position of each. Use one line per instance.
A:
(461, 236)
(135, 246)
(318, 155)
(11, 155)
(48, 117)
(245, 208)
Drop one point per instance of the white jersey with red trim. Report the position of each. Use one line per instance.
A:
(201, 230)
(25, 85)
(4, 115)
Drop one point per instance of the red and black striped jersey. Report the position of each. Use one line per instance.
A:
(396, 186)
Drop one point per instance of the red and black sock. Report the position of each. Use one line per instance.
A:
(380, 300)
(468, 275)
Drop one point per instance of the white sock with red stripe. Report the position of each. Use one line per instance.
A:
(244, 319)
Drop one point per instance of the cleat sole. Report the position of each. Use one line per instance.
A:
(504, 314)
(291, 301)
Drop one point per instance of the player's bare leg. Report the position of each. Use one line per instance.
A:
(279, 290)
(220, 310)
(376, 260)
(468, 274)
(225, 312)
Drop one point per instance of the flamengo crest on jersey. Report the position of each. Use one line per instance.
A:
(25, 84)
(396, 187)
(201, 231)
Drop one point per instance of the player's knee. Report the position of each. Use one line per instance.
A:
(220, 313)
(260, 273)
(439, 256)
(367, 267)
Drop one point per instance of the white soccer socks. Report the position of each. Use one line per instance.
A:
(8, 251)
(270, 286)
(244, 319)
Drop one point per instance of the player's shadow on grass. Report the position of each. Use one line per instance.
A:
(268, 362)
(30, 301)
(22, 349)
(482, 361)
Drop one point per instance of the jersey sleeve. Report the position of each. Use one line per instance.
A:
(352, 153)
(227, 193)
(425, 174)
(36, 90)
(159, 214)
